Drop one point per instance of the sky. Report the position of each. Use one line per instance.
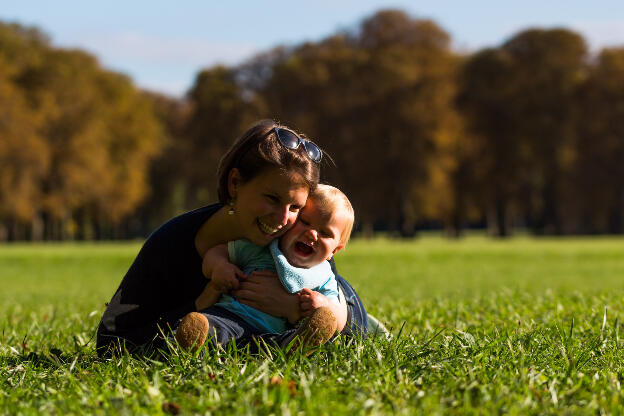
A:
(162, 45)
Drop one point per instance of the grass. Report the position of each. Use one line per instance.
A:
(481, 326)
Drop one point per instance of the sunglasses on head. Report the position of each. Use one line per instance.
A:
(291, 140)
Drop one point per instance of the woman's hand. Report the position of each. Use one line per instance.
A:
(262, 290)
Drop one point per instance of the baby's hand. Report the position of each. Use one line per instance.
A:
(225, 277)
(309, 301)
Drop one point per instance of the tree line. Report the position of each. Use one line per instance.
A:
(526, 134)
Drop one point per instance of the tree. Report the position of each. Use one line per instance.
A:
(519, 101)
(101, 134)
(24, 153)
(547, 68)
(24, 158)
(167, 181)
(375, 99)
(500, 158)
(218, 114)
(133, 138)
(80, 137)
(599, 170)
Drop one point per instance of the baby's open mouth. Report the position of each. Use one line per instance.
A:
(303, 249)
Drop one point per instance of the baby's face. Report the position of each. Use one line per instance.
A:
(314, 238)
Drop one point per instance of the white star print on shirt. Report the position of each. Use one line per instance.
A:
(114, 309)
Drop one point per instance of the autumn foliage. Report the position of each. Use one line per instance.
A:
(526, 134)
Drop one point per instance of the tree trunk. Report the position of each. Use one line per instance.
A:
(37, 228)
(616, 225)
(4, 232)
(459, 207)
(497, 218)
(367, 230)
(17, 232)
(552, 221)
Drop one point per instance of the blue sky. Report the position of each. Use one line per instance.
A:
(162, 45)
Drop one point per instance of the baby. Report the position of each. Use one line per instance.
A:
(299, 259)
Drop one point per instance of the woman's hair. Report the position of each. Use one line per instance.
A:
(259, 149)
(333, 202)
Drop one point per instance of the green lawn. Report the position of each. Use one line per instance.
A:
(526, 326)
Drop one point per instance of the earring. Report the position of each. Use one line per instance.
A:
(231, 210)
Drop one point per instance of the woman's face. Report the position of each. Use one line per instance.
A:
(267, 205)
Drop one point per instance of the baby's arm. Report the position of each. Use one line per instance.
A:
(309, 301)
(217, 267)
(223, 275)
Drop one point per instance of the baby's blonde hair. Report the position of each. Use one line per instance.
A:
(332, 201)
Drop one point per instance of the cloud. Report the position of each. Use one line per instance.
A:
(174, 88)
(129, 46)
(159, 63)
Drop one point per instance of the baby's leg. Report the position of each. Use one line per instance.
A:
(310, 301)
(216, 324)
(220, 326)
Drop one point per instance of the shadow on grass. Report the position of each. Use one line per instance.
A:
(52, 359)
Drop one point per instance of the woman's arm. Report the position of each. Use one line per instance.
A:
(263, 290)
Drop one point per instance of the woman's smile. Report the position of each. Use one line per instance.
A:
(267, 229)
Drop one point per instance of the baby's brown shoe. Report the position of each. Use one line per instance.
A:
(192, 331)
(315, 331)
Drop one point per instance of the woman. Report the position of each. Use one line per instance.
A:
(264, 180)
